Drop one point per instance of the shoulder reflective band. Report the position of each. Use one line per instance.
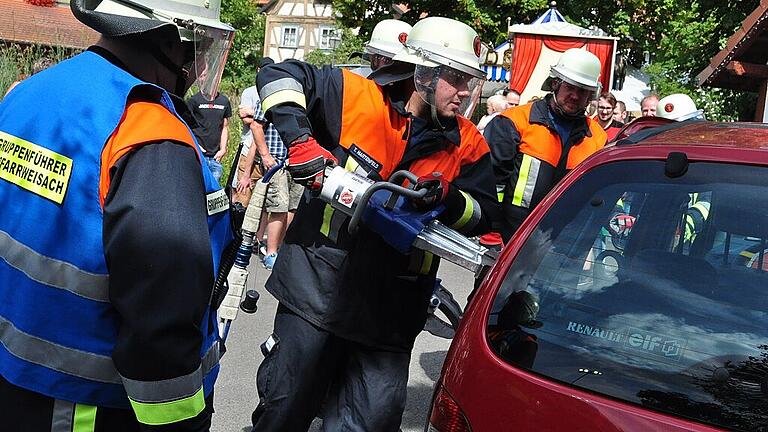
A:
(34, 168)
(281, 91)
(471, 215)
(70, 361)
(526, 181)
(71, 417)
(173, 399)
(52, 272)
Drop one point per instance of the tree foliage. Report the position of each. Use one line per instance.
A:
(248, 46)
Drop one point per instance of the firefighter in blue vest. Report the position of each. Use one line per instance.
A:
(112, 229)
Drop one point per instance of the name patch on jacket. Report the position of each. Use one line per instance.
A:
(34, 168)
(217, 202)
(364, 158)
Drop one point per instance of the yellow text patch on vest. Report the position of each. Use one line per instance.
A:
(34, 168)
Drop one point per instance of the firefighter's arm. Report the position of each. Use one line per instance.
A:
(158, 253)
(302, 101)
(504, 140)
(471, 206)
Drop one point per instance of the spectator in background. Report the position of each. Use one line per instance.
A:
(620, 113)
(248, 172)
(283, 194)
(41, 64)
(513, 98)
(211, 128)
(494, 105)
(591, 111)
(648, 105)
(606, 103)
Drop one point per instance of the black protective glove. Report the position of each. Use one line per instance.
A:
(437, 190)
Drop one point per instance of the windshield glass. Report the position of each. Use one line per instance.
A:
(650, 290)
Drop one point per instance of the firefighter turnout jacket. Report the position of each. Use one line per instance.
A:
(529, 157)
(360, 288)
(109, 249)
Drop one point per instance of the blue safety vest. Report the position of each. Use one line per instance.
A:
(57, 326)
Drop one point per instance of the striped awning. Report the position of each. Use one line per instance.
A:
(551, 15)
(496, 73)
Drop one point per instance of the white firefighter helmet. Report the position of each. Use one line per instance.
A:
(436, 41)
(678, 107)
(444, 50)
(577, 67)
(386, 37)
(196, 21)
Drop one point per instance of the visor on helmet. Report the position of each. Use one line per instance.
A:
(448, 89)
(211, 47)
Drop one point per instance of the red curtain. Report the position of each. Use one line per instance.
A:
(560, 44)
(603, 49)
(524, 59)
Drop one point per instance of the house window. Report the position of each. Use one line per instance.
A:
(327, 36)
(290, 37)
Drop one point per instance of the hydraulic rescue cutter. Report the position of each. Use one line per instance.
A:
(385, 208)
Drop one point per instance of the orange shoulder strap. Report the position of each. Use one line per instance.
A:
(142, 123)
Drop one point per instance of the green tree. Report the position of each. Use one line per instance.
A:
(349, 43)
(248, 46)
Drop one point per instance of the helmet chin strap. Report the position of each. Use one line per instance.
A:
(180, 72)
(559, 110)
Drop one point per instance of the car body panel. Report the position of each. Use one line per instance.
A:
(495, 395)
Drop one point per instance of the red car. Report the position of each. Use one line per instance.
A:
(634, 298)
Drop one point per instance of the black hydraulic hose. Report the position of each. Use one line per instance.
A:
(220, 286)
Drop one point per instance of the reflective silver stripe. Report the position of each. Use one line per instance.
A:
(63, 415)
(173, 388)
(530, 184)
(164, 390)
(52, 272)
(210, 359)
(278, 85)
(70, 361)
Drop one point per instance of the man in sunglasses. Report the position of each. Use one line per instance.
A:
(534, 145)
(350, 307)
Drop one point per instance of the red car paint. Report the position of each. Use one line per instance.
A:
(496, 396)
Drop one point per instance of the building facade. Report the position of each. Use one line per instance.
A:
(296, 27)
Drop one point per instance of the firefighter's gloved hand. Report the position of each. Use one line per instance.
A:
(307, 161)
(437, 190)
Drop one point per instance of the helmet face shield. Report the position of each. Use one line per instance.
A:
(211, 49)
(450, 91)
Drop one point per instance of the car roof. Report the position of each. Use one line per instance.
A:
(705, 133)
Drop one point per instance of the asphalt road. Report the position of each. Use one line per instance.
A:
(236, 396)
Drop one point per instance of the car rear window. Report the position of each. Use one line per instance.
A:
(648, 289)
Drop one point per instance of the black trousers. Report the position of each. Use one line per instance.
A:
(24, 411)
(309, 372)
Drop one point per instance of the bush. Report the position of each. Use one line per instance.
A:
(17, 61)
